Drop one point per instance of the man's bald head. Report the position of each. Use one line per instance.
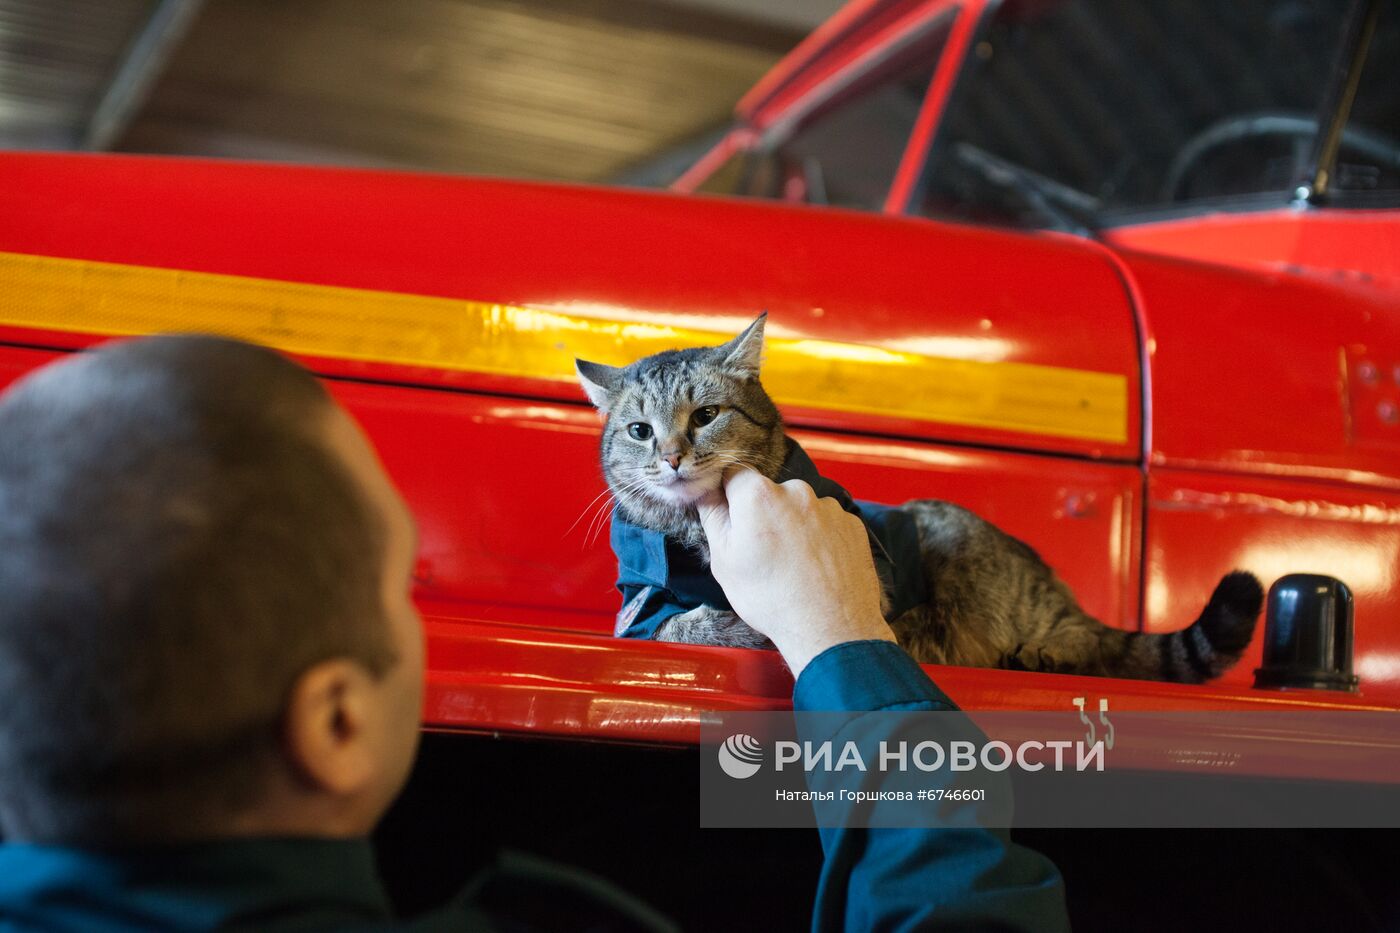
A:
(177, 544)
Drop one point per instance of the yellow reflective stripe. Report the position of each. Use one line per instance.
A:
(453, 334)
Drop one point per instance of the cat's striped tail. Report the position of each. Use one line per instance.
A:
(1205, 649)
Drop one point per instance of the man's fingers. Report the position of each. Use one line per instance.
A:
(743, 481)
(713, 510)
(745, 490)
(800, 489)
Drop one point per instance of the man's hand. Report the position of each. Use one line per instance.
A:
(794, 567)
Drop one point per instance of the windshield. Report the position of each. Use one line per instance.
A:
(844, 148)
(1086, 113)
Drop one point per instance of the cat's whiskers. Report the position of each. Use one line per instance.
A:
(607, 497)
(604, 498)
(588, 534)
(606, 522)
(732, 458)
(607, 491)
(604, 514)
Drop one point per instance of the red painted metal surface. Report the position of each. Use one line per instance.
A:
(545, 680)
(1346, 246)
(1255, 373)
(1267, 444)
(1201, 521)
(498, 543)
(887, 282)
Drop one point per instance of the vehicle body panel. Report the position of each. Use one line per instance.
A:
(1146, 423)
(1199, 521)
(1346, 246)
(657, 268)
(1263, 372)
(1270, 339)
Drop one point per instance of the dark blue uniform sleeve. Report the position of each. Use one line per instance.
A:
(917, 879)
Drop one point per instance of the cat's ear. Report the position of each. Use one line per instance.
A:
(598, 381)
(743, 354)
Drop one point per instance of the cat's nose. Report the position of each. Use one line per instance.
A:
(673, 459)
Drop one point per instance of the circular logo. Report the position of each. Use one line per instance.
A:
(740, 756)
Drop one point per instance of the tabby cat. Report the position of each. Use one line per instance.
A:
(675, 421)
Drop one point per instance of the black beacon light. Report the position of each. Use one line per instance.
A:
(1308, 635)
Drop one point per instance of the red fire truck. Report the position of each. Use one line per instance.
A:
(1122, 277)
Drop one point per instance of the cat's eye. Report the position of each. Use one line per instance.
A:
(704, 416)
(640, 430)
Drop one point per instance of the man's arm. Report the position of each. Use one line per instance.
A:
(916, 879)
(799, 570)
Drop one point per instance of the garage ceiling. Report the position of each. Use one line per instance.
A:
(56, 59)
(574, 89)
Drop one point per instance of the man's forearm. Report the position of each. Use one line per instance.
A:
(915, 879)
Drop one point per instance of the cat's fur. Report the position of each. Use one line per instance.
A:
(994, 602)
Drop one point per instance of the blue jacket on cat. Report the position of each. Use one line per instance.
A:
(659, 577)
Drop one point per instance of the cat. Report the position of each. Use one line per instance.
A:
(957, 589)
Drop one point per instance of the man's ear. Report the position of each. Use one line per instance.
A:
(327, 729)
(743, 354)
(598, 381)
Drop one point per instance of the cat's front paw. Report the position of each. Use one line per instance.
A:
(707, 626)
(1032, 658)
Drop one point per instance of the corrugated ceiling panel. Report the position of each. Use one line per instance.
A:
(577, 89)
(55, 60)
